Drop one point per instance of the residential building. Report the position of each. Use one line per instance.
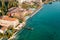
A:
(6, 22)
(29, 1)
(18, 12)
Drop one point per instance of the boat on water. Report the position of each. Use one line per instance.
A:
(50, 2)
(29, 28)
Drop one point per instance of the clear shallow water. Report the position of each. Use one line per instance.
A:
(46, 24)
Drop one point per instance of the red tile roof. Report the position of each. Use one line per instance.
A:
(3, 28)
(9, 18)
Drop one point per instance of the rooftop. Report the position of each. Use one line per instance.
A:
(8, 18)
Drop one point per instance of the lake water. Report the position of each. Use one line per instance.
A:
(46, 24)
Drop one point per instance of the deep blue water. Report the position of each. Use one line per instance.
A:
(46, 24)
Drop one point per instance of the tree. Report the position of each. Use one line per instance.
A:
(2, 8)
(1, 35)
(12, 3)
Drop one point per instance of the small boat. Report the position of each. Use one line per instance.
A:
(50, 2)
(29, 28)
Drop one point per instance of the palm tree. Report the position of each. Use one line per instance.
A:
(12, 3)
(9, 4)
(3, 5)
(1, 35)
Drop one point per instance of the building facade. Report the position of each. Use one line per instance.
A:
(20, 1)
(6, 22)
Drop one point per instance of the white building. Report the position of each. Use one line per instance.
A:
(20, 1)
(6, 22)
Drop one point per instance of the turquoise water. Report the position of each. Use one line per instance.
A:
(46, 24)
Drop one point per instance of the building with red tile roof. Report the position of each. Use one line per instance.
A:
(6, 22)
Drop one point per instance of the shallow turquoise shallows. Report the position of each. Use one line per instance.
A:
(46, 24)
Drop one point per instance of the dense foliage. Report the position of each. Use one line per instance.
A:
(5, 5)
